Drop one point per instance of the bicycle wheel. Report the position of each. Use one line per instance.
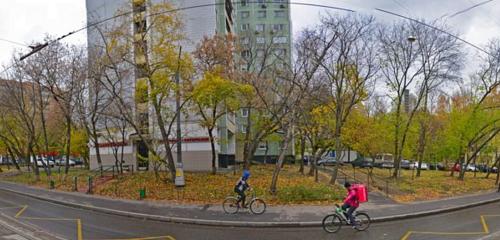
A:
(332, 223)
(257, 206)
(230, 205)
(362, 221)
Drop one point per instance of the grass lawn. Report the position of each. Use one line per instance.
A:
(293, 188)
(58, 178)
(430, 185)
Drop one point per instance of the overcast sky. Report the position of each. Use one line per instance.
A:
(27, 21)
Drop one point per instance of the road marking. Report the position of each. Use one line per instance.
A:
(482, 218)
(21, 211)
(407, 235)
(147, 238)
(79, 228)
(485, 226)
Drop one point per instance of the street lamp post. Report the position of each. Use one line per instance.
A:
(410, 39)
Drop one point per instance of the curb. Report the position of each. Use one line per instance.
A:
(206, 222)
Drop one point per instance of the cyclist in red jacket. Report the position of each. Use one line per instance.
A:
(351, 202)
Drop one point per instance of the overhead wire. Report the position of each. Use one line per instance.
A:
(249, 2)
(435, 28)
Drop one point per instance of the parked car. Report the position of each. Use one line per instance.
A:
(405, 164)
(78, 161)
(362, 162)
(62, 162)
(325, 161)
(471, 168)
(438, 166)
(494, 170)
(387, 164)
(41, 161)
(423, 166)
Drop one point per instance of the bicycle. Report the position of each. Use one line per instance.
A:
(333, 222)
(257, 205)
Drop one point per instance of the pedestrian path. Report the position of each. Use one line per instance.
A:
(276, 214)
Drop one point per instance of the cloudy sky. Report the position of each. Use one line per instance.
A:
(27, 21)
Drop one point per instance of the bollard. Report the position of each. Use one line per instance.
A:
(100, 170)
(51, 184)
(89, 190)
(142, 193)
(75, 184)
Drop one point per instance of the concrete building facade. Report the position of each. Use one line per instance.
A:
(197, 22)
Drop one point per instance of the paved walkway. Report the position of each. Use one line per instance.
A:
(273, 214)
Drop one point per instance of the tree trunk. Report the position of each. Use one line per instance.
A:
(212, 145)
(313, 161)
(338, 151)
(246, 146)
(421, 146)
(96, 145)
(68, 145)
(44, 130)
(396, 139)
(16, 164)
(302, 150)
(165, 135)
(279, 163)
(498, 172)
(35, 165)
(495, 163)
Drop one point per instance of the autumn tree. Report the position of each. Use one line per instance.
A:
(155, 60)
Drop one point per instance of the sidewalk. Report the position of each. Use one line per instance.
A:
(274, 216)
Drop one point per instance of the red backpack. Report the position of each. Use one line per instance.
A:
(361, 192)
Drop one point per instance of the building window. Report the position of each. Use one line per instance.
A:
(278, 27)
(260, 40)
(280, 39)
(260, 27)
(262, 1)
(244, 3)
(261, 14)
(243, 129)
(246, 54)
(279, 14)
(245, 26)
(280, 52)
(244, 112)
(245, 14)
(245, 40)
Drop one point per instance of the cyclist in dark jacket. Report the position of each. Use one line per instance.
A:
(241, 186)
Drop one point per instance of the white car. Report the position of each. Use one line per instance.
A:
(62, 162)
(424, 166)
(40, 162)
(471, 168)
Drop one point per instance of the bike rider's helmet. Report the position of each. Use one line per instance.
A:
(347, 185)
(246, 174)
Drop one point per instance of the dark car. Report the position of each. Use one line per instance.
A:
(405, 164)
(362, 162)
(438, 166)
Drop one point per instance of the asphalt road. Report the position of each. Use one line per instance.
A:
(70, 223)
